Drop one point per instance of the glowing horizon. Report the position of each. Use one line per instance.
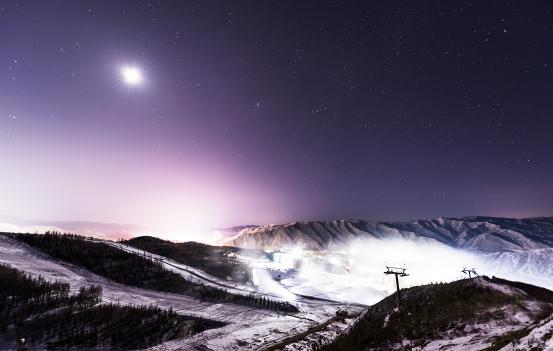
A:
(148, 115)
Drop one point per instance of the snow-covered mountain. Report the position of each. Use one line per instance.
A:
(531, 266)
(474, 233)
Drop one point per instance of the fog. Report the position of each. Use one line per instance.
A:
(355, 272)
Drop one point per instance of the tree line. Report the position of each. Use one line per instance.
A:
(136, 270)
(45, 315)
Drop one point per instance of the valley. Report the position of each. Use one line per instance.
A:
(300, 296)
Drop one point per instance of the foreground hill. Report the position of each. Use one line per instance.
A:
(41, 314)
(135, 270)
(472, 314)
(246, 327)
(477, 233)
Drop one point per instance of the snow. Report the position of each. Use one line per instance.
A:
(535, 338)
(256, 327)
(264, 284)
(505, 289)
(353, 271)
(30, 260)
(474, 233)
(530, 266)
(187, 272)
(320, 338)
(478, 338)
(320, 275)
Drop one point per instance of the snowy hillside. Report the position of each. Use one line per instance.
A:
(530, 266)
(472, 314)
(474, 233)
(247, 327)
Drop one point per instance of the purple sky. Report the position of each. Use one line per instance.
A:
(269, 112)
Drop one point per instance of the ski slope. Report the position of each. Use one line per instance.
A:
(248, 328)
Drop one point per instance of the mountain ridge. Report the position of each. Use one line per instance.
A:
(481, 313)
(480, 233)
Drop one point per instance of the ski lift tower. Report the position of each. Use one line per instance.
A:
(398, 272)
(470, 272)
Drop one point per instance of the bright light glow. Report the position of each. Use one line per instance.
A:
(328, 275)
(132, 75)
(296, 253)
(265, 284)
(335, 261)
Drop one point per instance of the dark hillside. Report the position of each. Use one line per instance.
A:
(215, 260)
(442, 311)
(135, 270)
(47, 316)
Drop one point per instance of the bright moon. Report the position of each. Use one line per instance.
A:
(131, 75)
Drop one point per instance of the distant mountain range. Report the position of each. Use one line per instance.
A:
(111, 231)
(475, 233)
(489, 234)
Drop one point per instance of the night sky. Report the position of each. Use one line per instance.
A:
(221, 113)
